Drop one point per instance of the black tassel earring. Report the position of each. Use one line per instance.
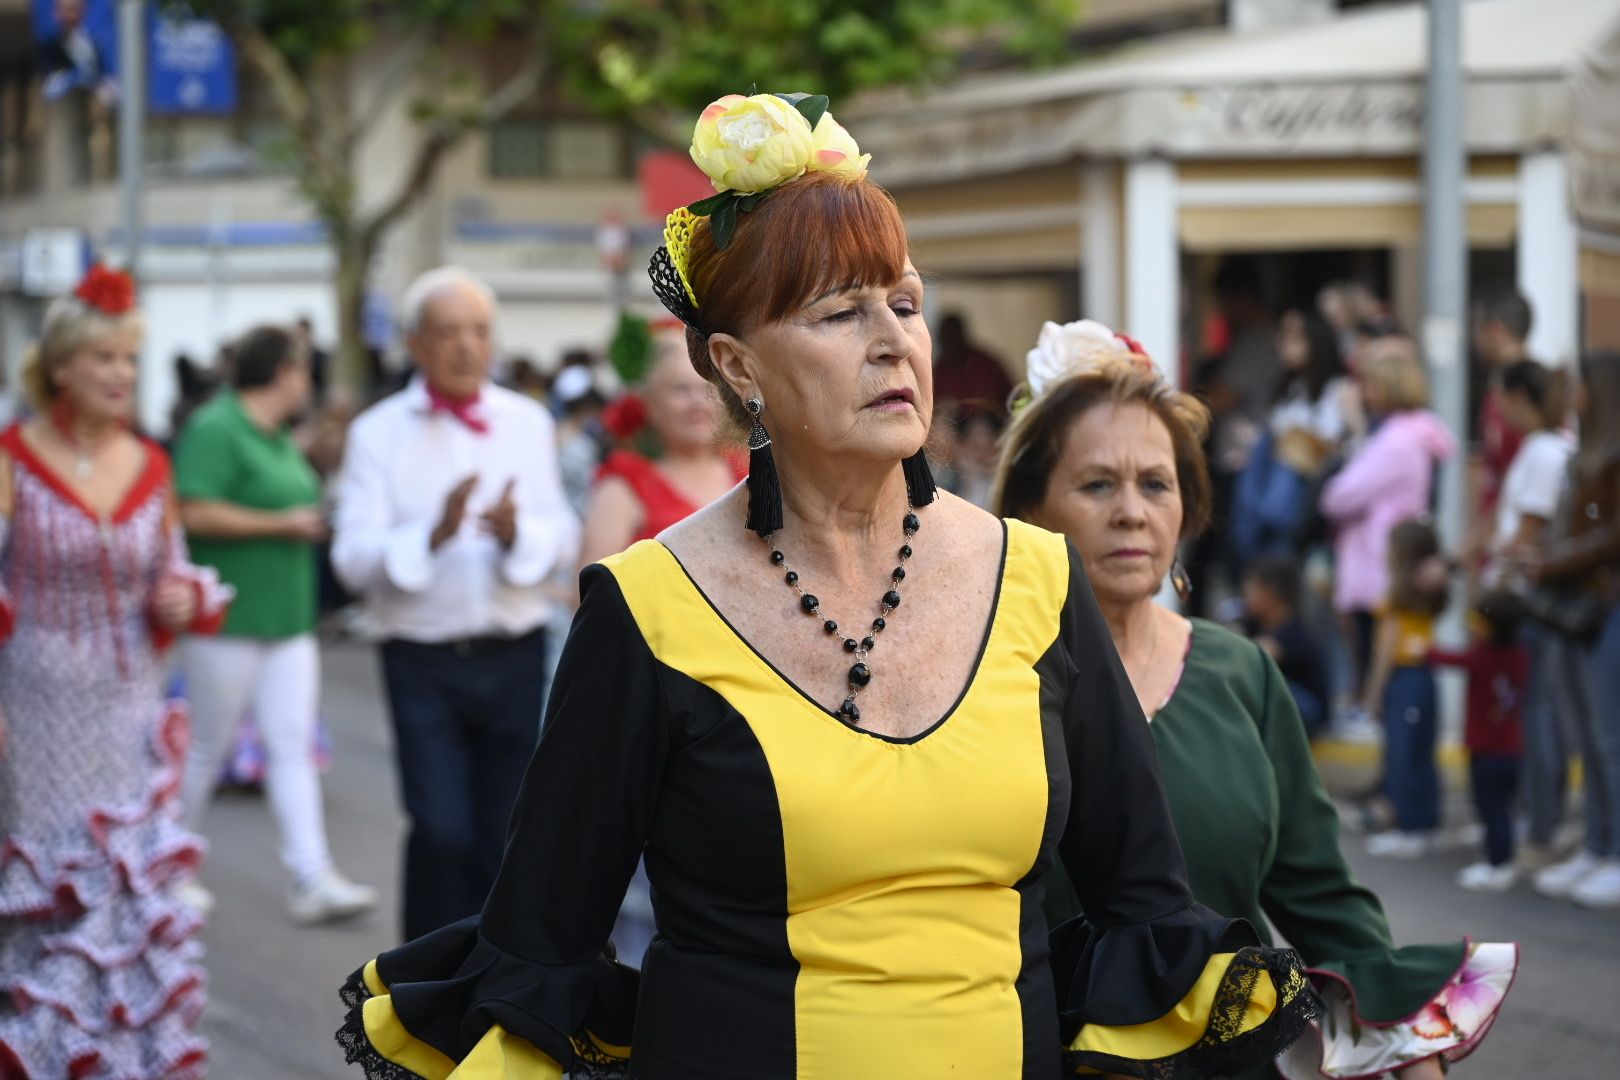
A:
(920, 487)
(764, 489)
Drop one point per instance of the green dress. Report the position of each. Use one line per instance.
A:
(1261, 839)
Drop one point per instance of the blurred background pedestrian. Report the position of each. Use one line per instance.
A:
(1387, 479)
(95, 583)
(450, 516)
(250, 503)
(691, 458)
(1498, 668)
(1583, 564)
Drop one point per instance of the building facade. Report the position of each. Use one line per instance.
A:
(1112, 187)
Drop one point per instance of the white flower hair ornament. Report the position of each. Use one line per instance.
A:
(1075, 348)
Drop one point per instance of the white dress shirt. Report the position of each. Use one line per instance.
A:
(401, 461)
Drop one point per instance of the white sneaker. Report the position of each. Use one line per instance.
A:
(1600, 888)
(194, 896)
(329, 897)
(1357, 725)
(1533, 858)
(1396, 844)
(1471, 835)
(1483, 877)
(1559, 880)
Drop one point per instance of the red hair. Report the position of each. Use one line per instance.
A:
(821, 232)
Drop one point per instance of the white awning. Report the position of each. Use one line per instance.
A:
(1351, 86)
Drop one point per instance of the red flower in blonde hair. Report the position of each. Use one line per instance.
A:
(111, 292)
(625, 417)
(1131, 343)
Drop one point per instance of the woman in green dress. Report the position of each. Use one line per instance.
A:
(1108, 453)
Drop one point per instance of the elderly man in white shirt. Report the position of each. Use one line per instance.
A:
(450, 516)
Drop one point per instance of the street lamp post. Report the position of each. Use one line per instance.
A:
(1445, 258)
(131, 124)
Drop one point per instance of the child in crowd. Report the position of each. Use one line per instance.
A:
(1498, 668)
(1401, 689)
(1271, 594)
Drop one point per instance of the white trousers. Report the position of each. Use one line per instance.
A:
(280, 680)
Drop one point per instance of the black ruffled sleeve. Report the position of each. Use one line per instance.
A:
(1149, 982)
(527, 985)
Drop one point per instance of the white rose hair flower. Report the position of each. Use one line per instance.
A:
(1074, 348)
(750, 144)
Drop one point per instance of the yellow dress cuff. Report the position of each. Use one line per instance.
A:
(1249, 1003)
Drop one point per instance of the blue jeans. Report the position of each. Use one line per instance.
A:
(1494, 781)
(1411, 780)
(465, 726)
(1312, 709)
(1602, 765)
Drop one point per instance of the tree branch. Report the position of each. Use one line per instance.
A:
(392, 77)
(325, 181)
(443, 135)
(423, 166)
(664, 123)
(293, 98)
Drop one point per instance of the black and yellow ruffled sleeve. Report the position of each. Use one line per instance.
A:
(1148, 982)
(525, 991)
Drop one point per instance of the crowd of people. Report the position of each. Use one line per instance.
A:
(464, 521)
(1327, 536)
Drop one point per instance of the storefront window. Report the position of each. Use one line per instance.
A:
(534, 147)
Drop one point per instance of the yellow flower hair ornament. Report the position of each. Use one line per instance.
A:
(747, 145)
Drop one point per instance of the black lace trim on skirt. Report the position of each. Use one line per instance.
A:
(351, 1036)
(590, 1062)
(1224, 1048)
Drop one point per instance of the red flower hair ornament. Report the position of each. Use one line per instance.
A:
(625, 418)
(111, 292)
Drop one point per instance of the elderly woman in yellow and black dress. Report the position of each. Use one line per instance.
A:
(1110, 454)
(850, 722)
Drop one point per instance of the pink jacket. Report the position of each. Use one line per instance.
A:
(1387, 481)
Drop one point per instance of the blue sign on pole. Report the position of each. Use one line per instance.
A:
(191, 65)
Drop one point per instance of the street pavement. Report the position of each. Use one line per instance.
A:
(273, 987)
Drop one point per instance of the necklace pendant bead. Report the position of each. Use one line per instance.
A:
(830, 626)
(860, 675)
(905, 551)
(809, 603)
(850, 645)
(792, 578)
(850, 711)
(879, 624)
(912, 524)
(866, 644)
(891, 599)
(899, 573)
(778, 558)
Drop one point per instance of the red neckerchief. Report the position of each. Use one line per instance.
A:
(463, 409)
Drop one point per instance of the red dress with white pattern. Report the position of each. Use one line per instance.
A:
(98, 966)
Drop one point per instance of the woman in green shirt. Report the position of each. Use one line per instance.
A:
(1108, 453)
(250, 505)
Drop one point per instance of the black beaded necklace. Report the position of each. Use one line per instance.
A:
(861, 673)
